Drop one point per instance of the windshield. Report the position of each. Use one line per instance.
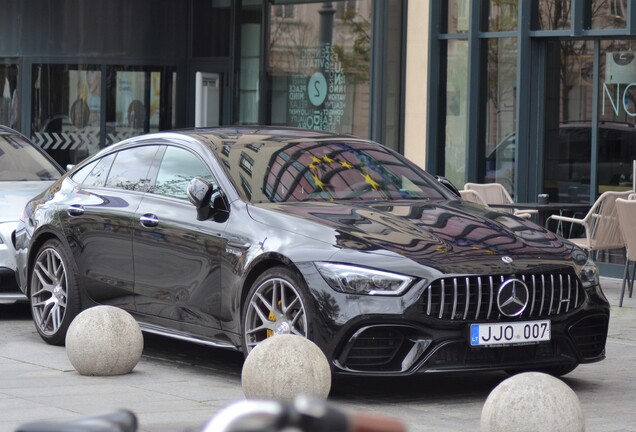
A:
(20, 161)
(324, 171)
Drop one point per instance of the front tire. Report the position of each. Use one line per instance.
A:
(277, 303)
(54, 292)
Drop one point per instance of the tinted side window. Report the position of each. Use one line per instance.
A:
(177, 168)
(95, 173)
(80, 175)
(130, 169)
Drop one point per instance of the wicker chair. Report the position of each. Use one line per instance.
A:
(472, 196)
(600, 224)
(495, 193)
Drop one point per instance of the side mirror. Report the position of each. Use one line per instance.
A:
(448, 185)
(199, 192)
(208, 200)
(200, 195)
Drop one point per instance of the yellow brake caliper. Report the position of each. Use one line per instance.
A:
(272, 318)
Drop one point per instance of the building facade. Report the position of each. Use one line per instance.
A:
(77, 75)
(538, 95)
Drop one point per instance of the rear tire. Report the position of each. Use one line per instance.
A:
(54, 292)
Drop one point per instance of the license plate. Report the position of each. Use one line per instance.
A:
(509, 333)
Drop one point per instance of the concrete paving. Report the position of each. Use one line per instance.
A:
(178, 386)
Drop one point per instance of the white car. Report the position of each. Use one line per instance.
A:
(25, 171)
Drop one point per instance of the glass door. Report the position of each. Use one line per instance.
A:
(617, 115)
(589, 121)
(589, 125)
(66, 110)
(140, 99)
(568, 115)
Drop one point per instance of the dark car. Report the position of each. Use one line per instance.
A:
(229, 236)
(25, 171)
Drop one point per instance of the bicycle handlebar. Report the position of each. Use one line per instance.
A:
(305, 413)
(115, 421)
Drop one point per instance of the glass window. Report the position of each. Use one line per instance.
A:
(502, 15)
(605, 14)
(95, 173)
(456, 104)
(501, 111)
(392, 82)
(283, 11)
(251, 17)
(65, 110)
(177, 168)
(346, 9)
(130, 169)
(458, 15)
(140, 100)
(552, 14)
(66, 106)
(618, 82)
(247, 188)
(247, 163)
(319, 67)
(617, 115)
(9, 96)
(80, 175)
(567, 151)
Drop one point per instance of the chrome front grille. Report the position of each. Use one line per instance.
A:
(474, 298)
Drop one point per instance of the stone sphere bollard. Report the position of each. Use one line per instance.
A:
(104, 340)
(532, 402)
(285, 366)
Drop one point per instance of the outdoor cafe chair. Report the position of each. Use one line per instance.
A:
(495, 193)
(472, 196)
(600, 224)
(626, 210)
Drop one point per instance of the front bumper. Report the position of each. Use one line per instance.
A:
(405, 349)
(371, 335)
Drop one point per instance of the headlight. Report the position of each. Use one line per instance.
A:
(589, 274)
(358, 280)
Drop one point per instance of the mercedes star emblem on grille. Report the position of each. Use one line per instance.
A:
(506, 259)
(512, 297)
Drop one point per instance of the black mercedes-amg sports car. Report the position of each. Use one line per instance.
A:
(228, 236)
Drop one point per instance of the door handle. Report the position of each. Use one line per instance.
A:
(239, 245)
(149, 220)
(75, 210)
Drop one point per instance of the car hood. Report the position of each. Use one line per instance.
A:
(451, 236)
(15, 194)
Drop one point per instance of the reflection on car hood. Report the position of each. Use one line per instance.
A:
(439, 234)
(15, 194)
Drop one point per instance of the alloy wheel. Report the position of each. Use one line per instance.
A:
(49, 291)
(276, 307)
